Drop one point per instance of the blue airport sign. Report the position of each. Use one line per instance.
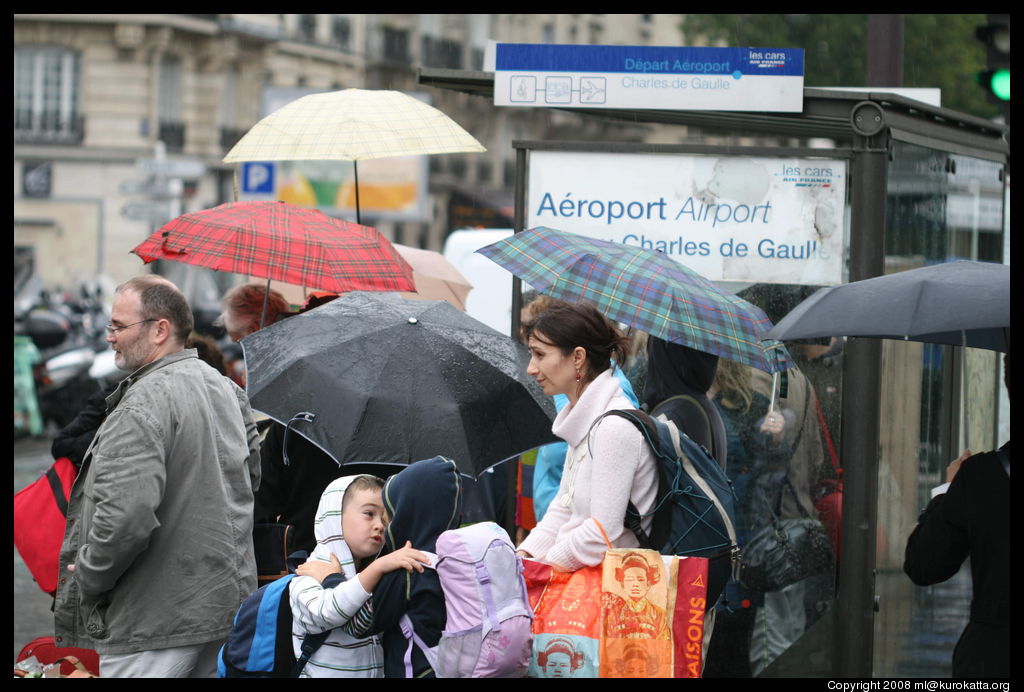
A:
(649, 77)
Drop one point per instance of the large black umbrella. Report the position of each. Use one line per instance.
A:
(391, 380)
(961, 303)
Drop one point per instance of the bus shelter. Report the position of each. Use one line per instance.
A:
(921, 185)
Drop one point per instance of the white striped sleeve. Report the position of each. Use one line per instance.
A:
(316, 609)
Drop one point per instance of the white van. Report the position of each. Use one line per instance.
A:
(490, 301)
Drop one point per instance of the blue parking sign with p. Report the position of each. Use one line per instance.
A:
(258, 178)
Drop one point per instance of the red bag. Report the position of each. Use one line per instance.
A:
(40, 515)
(829, 493)
(46, 652)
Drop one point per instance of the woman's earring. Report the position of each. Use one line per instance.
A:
(578, 375)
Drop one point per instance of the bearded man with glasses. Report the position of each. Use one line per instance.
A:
(157, 552)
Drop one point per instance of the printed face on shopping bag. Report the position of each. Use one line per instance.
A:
(634, 668)
(576, 587)
(635, 583)
(559, 665)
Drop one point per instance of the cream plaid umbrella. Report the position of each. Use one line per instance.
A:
(352, 125)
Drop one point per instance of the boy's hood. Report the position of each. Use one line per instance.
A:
(327, 527)
(423, 500)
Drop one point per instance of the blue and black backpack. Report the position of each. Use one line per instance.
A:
(695, 510)
(260, 642)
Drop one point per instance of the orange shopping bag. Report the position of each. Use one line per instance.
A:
(638, 614)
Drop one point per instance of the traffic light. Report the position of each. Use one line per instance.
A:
(995, 79)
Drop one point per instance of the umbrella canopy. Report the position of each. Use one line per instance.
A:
(436, 278)
(276, 240)
(961, 303)
(352, 125)
(390, 380)
(643, 288)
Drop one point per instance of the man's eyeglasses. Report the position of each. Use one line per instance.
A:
(111, 329)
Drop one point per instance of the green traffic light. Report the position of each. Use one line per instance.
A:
(995, 82)
(1000, 84)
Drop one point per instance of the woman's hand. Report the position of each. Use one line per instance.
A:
(319, 569)
(774, 425)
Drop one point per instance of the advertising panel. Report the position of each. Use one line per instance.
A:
(730, 218)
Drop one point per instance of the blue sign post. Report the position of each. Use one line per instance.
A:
(649, 77)
(257, 178)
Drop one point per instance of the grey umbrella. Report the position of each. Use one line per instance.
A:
(962, 303)
(389, 380)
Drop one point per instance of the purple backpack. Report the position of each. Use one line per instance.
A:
(488, 632)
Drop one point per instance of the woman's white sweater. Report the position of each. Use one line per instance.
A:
(605, 468)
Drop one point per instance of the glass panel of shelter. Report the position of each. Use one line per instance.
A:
(936, 400)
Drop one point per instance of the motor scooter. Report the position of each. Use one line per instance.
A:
(68, 334)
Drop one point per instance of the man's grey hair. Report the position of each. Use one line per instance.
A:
(161, 299)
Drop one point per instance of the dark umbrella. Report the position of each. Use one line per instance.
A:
(391, 380)
(961, 303)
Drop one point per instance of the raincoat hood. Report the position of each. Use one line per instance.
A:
(327, 527)
(674, 369)
(423, 500)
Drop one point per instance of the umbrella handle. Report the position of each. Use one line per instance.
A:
(771, 403)
(300, 416)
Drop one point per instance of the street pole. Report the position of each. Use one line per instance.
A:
(885, 50)
(862, 384)
(855, 607)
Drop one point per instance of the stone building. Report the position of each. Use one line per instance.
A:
(96, 94)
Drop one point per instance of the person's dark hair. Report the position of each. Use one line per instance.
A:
(207, 351)
(568, 325)
(361, 483)
(315, 300)
(533, 304)
(245, 303)
(160, 299)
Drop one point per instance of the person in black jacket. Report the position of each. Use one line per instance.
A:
(972, 519)
(422, 501)
(677, 382)
(74, 438)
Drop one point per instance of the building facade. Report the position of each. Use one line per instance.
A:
(122, 120)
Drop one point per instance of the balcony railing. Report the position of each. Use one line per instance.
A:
(48, 128)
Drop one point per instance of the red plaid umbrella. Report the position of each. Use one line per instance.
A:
(280, 241)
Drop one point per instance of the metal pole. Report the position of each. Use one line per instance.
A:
(518, 221)
(855, 607)
(355, 170)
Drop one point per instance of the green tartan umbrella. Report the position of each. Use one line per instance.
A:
(645, 289)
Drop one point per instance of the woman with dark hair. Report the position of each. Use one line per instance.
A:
(608, 464)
